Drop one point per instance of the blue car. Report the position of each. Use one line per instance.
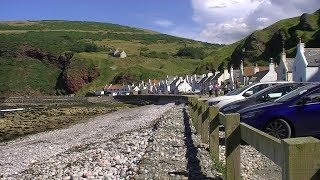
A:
(294, 114)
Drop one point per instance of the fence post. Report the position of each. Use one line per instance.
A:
(301, 158)
(214, 132)
(199, 118)
(205, 123)
(190, 107)
(195, 112)
(232, 141)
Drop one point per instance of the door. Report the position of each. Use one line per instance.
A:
(306, 114)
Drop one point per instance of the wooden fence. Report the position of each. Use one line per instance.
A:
(299, 158)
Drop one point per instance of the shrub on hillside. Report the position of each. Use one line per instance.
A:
(154, 54)
(192, 52)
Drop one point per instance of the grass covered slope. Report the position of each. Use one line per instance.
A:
(263, 44)
(77, 56)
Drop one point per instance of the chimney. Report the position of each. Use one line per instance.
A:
(241, 67)
(231, 79)
(209, 74)
(271, 65)
(300, 46)
(283, 55)
(241, 73)
(256, 69)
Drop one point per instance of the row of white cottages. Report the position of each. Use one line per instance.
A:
(304, 67)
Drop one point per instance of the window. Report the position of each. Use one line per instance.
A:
(314, 96)
(279, 92)
(258, 88)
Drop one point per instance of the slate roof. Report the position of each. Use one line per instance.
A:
(209, 78)
(258, 76)
(313, 56)
(198, 78)
(115, 86)
(203, 79)
(289, 63)
(217, 76)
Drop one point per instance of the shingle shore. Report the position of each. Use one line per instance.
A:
(149, 142)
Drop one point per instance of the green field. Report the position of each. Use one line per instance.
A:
(149, 55)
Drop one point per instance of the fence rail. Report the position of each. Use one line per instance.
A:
(298, 157)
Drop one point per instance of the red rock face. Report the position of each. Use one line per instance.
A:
(75, 79)
(61, 61)
(75, 76)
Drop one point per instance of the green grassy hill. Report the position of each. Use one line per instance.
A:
(58, 57)
(263, 44)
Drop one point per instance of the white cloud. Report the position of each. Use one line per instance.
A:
(226, 21)
(163, 23)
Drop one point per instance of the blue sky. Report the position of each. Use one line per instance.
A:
(216, 21)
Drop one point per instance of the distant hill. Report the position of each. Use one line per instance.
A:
(62, 57)
(263, 44)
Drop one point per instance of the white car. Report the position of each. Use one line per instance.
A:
(241, 93)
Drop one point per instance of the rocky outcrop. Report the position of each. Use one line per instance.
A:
(125, 78)
(61, 61)
(74, 78)
(306, 23)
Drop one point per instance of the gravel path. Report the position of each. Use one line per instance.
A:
(149, 142)
(16, 156)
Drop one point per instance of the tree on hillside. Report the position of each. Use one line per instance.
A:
(192, 52)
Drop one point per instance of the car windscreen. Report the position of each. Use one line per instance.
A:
(256, 95)
(294, 93)
(236, 91)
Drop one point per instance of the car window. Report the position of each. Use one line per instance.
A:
(258, 88)
(276, 93)
(235, 92)
(314, 96)
(295, 93)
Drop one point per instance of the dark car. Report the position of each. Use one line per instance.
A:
(269, 94)
(294, 114)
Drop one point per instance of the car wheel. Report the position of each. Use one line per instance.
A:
(278, 128)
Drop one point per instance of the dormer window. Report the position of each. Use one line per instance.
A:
(295, 68)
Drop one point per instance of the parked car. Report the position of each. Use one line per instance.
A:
(294, 114)
(268, 94)
(241, 93)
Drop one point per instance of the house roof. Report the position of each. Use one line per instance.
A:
(258, 76)
(289, 63)
(312, 56)
(155, 81)
(216, 77)
(209, 78)
(203, 79)
(249, 71)
(115, 86)
(198, 78)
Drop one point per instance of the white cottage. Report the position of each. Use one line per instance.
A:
(119, 53)
(221, 77)
(183, 87)
(306, 64)
(265, 76)
(284, 72)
